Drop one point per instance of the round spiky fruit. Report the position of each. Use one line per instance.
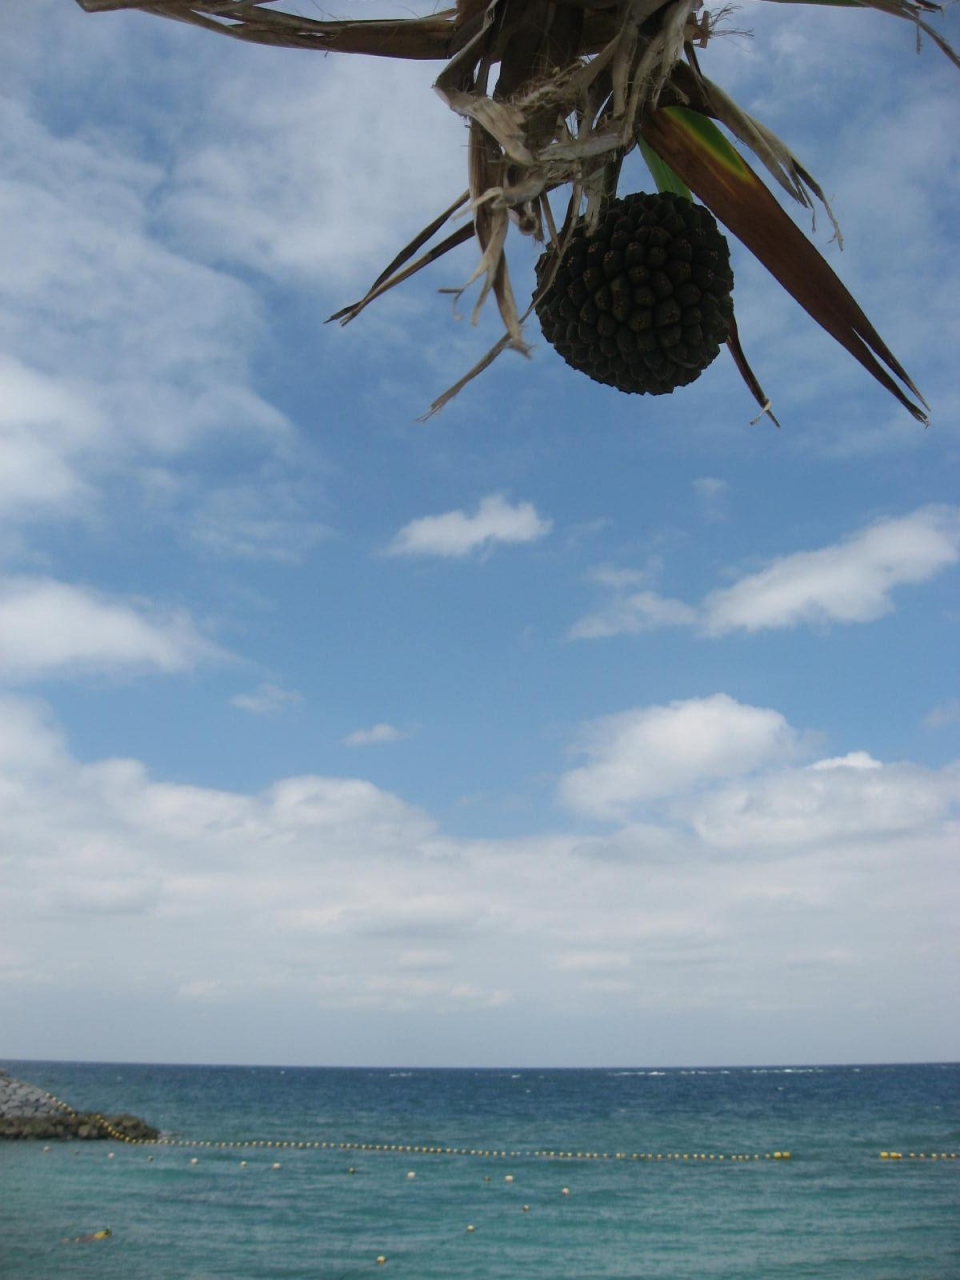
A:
(643, 303)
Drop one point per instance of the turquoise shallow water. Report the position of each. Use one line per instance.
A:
(835, 1211)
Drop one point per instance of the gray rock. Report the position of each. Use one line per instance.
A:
(27, 1111)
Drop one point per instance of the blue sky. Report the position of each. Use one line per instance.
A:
(562, 728)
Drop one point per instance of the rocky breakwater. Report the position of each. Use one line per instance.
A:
(29, 1112)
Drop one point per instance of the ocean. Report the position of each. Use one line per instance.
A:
(574, 1174)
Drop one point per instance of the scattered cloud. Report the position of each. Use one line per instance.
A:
(251, 187)
(374, 736)
(946, 713)
(849, 582)
(201, 989)
(45, 423)
(119, 355)
(456, 535)
(50, 628)
(712, 494)
(826, 802)
(266, 700)
(592, 961)
(652, 753)
(771, 883)
(257, 521)
(631, 614)
(137, 345)
(425, 959)
(617, 579)
(852, 760)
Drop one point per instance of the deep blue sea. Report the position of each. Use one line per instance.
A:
(178, 1211)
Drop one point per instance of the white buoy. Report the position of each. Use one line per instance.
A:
(194, 1160)
(508, 1178)
(565, 1191)
(275, 1166)
(470, 1227)
(410, 1176)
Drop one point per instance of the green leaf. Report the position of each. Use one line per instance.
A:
(719, 176)
(663, 175)
(712, 140)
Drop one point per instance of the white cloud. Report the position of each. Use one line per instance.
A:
(631, 614)
(848, 582)
(260, 182)
(425, 959)
(946, 713)
(29, 740)
(852, 760)
(592, 961)
(373, 736)
(654, 752)
(605, 575)
(201, 989)
(44, 425)
(257, 521)
(837, 800)
(712, 493)
(801, 891)
(51, 628)
(709, 487)
(456, 534)
(267, 699)
(116, 353)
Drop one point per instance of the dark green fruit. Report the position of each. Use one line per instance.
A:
(644, 302)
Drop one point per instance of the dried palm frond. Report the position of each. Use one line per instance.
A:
(556, 93)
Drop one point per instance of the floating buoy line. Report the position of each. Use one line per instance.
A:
(382, 1148)
(488, 1153)
(918, 1155)
(378, 1148)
